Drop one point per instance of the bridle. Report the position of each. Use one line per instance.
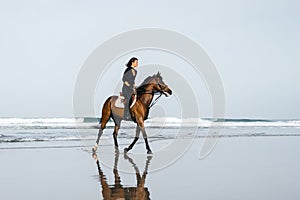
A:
(154, 93)
(157, 98)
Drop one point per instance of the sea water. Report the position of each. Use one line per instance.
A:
(47, 130)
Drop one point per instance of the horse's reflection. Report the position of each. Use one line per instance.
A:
(117, 190)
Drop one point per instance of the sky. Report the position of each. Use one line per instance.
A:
(254, 45)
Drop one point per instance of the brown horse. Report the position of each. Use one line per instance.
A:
(139, 111)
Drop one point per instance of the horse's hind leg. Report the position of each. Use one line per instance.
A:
(106, 113)
(115, 135)
(100, 132)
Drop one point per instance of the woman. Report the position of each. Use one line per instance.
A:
(129, 83)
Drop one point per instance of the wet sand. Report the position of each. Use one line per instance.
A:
(237, 168)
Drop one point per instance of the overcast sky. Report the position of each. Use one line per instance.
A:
(254, 45)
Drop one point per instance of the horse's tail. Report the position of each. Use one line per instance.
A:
(106, 113)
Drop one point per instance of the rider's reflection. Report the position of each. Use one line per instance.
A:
(117, 190)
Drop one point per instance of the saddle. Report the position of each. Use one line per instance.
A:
(120, 102)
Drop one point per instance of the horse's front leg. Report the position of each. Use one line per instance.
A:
(137, 134)
(141, 127)
(146, 139)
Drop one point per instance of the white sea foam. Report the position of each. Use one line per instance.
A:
(167, 122)
(14, 130)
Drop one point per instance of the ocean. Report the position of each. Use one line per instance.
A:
(17, 130)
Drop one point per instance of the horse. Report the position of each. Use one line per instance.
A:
(139, 111)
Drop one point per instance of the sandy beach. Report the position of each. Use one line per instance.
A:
(226, 72)
(237, 168)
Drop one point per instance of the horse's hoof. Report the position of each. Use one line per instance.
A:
(126, 150)
(149, 152)
(125, 156)
(94, 149)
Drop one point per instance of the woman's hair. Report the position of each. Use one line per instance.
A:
(131, 61)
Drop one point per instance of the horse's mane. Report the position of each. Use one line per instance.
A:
(142, 87)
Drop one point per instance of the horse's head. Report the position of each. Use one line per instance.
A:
(161, 86)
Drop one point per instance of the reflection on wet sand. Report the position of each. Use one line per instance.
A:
(117, 190)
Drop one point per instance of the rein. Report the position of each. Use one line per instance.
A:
(155, 100)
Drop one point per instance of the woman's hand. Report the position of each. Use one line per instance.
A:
(127, 84)
(134, 90)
